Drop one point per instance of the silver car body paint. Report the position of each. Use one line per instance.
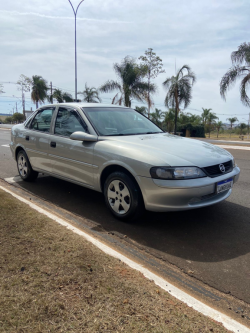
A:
(83, 162)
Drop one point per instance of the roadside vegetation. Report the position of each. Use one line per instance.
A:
(52, 280)
(134, 83)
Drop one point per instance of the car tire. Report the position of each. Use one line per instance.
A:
(24, 168)
(123, 196)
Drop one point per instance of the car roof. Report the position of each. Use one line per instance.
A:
(88, 105)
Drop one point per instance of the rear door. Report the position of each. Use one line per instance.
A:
(37, 139)
(71, 159)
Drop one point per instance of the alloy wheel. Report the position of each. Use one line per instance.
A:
(119, 197)
(22, 166)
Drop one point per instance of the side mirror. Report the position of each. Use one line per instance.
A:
(81, 136)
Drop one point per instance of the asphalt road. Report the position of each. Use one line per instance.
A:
(211, 244)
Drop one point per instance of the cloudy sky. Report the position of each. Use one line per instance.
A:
(37, 38)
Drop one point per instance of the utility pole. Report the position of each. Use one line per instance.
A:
(16, 106)
(75, 13)
(51, 92)
(23, 100)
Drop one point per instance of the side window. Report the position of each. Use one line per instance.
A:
(42, 120)
(68, 121)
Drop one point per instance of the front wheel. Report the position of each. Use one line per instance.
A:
(123, 196)
(24, 168)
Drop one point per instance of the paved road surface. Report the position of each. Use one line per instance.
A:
(212, 244)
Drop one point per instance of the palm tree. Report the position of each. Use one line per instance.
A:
(58, 95)
(232, 121)
(204, 115)
(169, 120)
(90, 95)
(67, 97)
(39, 89)
(142, 109)
(218, 126)
(156, 117)
(241, 69)
(211, 122)
(131, 85)
(179, 90)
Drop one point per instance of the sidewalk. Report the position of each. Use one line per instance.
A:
(52, 280)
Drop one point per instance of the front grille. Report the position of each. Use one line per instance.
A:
(214, 170)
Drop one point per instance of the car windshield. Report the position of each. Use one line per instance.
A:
(119, 121)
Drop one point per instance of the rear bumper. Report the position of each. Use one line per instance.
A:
(176, 195)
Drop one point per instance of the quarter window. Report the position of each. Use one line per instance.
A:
(42, 120)
(68, 121)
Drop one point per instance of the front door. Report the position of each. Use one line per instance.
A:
(71, 159)
(37, 138)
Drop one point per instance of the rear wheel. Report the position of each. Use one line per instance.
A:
(123, 196)
(24, 168)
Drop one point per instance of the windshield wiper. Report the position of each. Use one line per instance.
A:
(152, 132)
(120, 134)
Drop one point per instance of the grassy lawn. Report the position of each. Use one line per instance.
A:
(52, 280)
(226, 136)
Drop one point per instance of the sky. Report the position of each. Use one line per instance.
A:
(37, 38)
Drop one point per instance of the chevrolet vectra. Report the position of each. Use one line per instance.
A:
(119, 152)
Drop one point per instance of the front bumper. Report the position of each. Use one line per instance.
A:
(174, 195)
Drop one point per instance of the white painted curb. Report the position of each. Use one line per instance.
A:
(228, 322)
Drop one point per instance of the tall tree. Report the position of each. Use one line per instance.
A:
(240, 69)
(39, 89)
(179, 90)
(211, 122)
(232, 121)
(23, 84)
(90, 95)
(157, 116)
(154, 66)
(205, 115)
(218, 126)
(131, 84)
(58, 95)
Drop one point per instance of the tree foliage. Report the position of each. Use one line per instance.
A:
(240, 69)
(218, 126)
(39, 89)
(90, 95)
(156, 117)
(205, 115)
(232, 121)
(179, 89)
(142, 109)
(153, 66)
(130, 85)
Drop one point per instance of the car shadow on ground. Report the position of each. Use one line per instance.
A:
(212, 234)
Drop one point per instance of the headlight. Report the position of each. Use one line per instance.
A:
(176, 172)
(234, 164)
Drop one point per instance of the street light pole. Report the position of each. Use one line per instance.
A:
(75, 13)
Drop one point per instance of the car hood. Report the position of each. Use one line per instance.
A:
(166, 149)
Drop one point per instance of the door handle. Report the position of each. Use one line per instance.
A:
(53, 144)
(27, 137)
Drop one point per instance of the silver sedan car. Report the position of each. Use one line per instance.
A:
(119, 152)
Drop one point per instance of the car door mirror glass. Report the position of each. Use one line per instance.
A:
(81, 136)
